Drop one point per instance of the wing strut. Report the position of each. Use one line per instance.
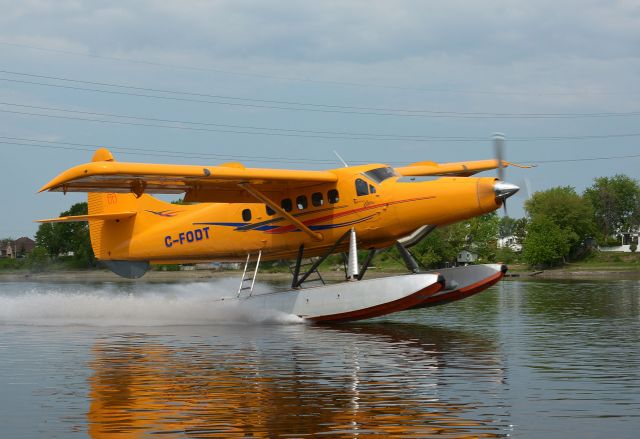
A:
(293, 220)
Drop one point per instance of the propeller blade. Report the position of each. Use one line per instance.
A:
(527, 188)
(498, 149)
(504, 190)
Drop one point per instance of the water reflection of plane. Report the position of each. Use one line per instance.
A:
(363, 381)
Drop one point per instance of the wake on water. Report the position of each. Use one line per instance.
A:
(140, 305)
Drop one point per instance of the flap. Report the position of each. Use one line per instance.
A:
(139, 178)
(461, 169)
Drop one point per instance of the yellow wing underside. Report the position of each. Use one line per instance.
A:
(200, 183)
(222, 183)
(460, 169)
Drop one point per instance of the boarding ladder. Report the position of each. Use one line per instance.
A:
(249, 275)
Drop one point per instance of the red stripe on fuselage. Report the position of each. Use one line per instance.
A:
(313, 221)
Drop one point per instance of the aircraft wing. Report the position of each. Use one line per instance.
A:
(199, 183)
(455, 169)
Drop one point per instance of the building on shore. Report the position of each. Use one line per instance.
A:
(628, 242)
(511, 242)
(18, 248)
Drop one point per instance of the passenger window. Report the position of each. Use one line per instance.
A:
(246, 215)
(270, 211)
(286, 204)
(362, 188)
(317, 199)
(372, 189)
(333, 196)
(301, 202)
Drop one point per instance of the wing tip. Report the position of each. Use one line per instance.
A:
(101, 155)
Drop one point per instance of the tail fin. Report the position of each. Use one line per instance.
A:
(112, 218)
(110, 237)
(102, 203)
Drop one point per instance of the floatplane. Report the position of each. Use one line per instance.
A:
(249, 215)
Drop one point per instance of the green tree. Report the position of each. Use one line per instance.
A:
(483, 236)
(38, 259)
(616, 203)
(546, 243)
(513, 227)
(439, 247)
(59, 238)
(479, 235)
(506, 226)
(50, 238)
(520, 229)
(566, 209)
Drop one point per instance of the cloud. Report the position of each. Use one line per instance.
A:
(364, 31)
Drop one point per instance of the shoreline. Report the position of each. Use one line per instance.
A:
(74, 276)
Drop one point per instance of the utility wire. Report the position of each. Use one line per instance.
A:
(299, 106)
(586, 159)
(237, 129)
(217, 130)
(309, 80)
(149, 151)
(286, 132)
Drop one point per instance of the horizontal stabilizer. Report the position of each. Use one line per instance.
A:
(98, 217)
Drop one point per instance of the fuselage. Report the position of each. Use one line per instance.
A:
(380, 205)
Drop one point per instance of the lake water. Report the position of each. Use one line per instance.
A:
(524, 359)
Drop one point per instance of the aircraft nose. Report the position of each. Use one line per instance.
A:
(504, 190)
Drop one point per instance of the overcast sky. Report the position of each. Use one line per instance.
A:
(284, 83)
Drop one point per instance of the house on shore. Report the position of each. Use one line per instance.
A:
(627, 241)
(511, 242)
(18, 248)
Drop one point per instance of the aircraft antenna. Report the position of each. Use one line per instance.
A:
(340, 158)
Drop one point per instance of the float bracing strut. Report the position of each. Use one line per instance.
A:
(409, 261)
(297, 279)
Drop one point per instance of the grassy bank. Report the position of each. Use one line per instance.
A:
(597, 265)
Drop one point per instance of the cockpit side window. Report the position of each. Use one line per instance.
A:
(362, 188)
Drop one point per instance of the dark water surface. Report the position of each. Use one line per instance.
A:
(523, 359)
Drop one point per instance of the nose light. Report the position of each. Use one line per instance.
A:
(504, 190)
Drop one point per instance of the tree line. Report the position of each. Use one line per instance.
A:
(560, 225)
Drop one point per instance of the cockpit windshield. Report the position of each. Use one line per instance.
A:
(380, 174)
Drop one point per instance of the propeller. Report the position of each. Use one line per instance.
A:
(498, 152)
(502, 189)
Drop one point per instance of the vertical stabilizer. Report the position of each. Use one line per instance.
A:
(111, 239)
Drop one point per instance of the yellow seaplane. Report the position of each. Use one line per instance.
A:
(235, 213)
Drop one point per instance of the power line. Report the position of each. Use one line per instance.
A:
(309, 80)
(286, 132)
(227, 128)
(150, 151)
(300, 106)
(586, 159)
